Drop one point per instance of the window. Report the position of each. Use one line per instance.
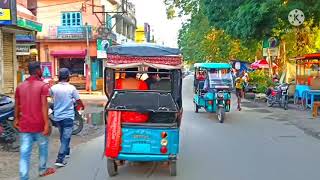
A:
(71, 19)
(108, 21)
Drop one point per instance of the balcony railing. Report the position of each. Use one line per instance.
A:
(70, 32)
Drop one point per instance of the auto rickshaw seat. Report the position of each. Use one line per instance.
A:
(163, 84)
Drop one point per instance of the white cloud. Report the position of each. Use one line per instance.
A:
(154, 13)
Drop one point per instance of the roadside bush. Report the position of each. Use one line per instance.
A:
(261, 80)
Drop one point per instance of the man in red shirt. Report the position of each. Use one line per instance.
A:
(31, 119)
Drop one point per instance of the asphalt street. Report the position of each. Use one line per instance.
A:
(250, 145)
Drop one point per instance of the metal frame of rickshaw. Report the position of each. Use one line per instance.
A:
(198, 91)
(172, 158)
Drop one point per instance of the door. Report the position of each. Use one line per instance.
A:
(94, 74)
(8, 65)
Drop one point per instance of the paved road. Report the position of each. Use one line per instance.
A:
(253, 144)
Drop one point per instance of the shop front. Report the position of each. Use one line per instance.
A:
(74, 60)
(15, 19)
(25, 52)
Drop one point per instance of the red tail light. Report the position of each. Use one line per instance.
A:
(164, 134)
(210, 102)
(228, 102)
(164, 150)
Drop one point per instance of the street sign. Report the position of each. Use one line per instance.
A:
(296, 17)
(46, 69)
(102, 45)
(270, 46)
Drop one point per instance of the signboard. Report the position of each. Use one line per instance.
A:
(25, 37)
(140, 35)
(22, 50)
(29, 24)
(67, 32)
(5, 12)
(46, 68)
(270, 52)
(102, 46)
(270, 46)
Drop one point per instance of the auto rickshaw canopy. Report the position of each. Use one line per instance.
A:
(213, 65)
(134, 55)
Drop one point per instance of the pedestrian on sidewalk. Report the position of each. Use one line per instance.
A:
(65, 96)
(31, 119)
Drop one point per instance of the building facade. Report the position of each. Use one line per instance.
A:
(72, 35)
(68, 39)
(17, 19)
(126, 24)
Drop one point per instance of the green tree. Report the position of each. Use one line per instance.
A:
(254, 19)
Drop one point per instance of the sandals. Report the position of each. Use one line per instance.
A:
(48, 172)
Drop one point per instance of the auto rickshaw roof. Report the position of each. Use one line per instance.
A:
(143, 50)
(151, 55)
(213, 65)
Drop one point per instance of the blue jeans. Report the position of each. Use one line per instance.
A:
(26, 143)
(65, 128)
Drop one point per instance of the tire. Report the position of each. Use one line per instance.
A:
(173, 168)
(221, 114)
(196, 108)
(112, 167)
(285, 103)
(269, 102)
(77, 123)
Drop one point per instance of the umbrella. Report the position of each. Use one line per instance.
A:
(262, 64)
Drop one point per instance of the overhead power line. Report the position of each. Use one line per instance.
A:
(62, 4)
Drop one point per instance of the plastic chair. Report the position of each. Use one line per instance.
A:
(300, 89)
(304, 100)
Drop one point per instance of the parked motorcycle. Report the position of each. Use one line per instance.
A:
(278, 95)
(78, 119)
(8, 134)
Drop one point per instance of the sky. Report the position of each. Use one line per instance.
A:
(154, 13)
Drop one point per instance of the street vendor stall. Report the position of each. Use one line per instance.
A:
(308, 79)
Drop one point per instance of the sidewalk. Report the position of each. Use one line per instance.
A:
(300, 118)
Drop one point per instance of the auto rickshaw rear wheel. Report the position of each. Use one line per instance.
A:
(112, 167)
(221, 114)
(196, 108)
(173, 168)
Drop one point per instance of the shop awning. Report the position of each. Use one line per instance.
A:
(69, 53)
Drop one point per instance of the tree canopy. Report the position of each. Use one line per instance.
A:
(219, 30)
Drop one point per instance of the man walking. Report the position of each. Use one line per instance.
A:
(64, 96)
(31, 119)
(239, 90)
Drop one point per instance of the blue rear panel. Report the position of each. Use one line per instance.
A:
(144, 143)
